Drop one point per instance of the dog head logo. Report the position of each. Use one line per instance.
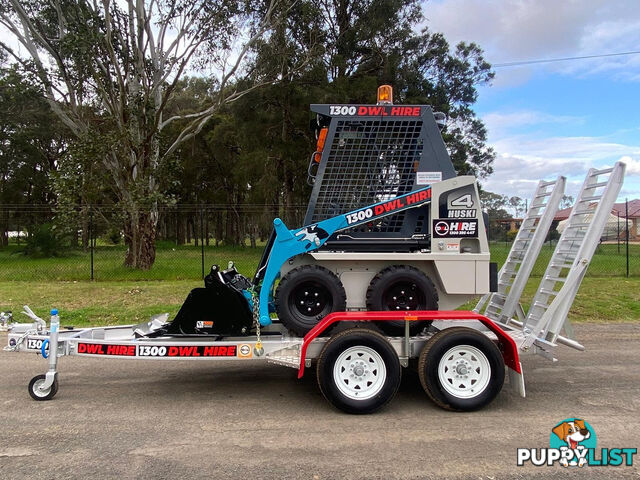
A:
(572, 432)
(312, 234)
(573, 437)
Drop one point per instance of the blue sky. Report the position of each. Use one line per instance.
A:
(561, 118)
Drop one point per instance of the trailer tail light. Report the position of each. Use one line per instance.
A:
(322, 137)
(385, 95)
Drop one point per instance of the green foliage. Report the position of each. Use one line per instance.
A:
(44, 242)
(511, 235)
(114, 236)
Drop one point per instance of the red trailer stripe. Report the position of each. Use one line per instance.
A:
(509, 348)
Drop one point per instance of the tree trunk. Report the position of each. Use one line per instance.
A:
(140, 238)
(4, 227)
(85, 229)
(218, 227)
(181, 228)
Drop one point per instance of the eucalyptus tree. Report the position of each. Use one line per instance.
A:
(108, 69)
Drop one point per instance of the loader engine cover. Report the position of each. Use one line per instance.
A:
(219, 308)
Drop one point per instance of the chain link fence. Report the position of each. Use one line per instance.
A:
(83, 243)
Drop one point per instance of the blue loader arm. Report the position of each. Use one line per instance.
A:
(289, 243)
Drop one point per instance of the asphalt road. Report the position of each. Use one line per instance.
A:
(177, 420)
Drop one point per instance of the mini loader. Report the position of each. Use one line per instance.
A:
(393, 241)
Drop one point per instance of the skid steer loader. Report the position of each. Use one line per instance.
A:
(389, 226)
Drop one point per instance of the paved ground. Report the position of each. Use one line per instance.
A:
(119, 419)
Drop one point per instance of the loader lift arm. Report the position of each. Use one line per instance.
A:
(285, 244)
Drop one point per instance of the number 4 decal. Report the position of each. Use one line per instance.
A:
(463, 201)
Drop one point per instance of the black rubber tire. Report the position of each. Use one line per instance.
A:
(438, 346)
(394, 277)
(329, 355)
(52, 391)
(321, 284)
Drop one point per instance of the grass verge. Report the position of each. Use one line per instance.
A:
(115, 303)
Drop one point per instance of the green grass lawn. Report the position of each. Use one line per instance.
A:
(172, 263)
(185, 263)
(112, 303)
(121, 295)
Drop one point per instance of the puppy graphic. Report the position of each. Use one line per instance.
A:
(572, 432)
(312, 234)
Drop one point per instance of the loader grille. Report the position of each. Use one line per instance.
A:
(369, 161)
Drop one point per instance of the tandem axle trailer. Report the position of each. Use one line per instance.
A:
(358, 368)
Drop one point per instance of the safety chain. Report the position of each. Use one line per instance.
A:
(21, 339)
(256, 320)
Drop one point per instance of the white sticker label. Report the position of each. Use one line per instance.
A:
(427, 178)
(452, 247)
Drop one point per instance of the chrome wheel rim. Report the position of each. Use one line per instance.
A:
(359, 373)
(464, 371)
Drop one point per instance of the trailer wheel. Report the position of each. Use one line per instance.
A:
(402, 288)
(358, 371)
(306, 295)
(40, 395)
(461, 369)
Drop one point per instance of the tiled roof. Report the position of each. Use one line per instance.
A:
(618, 209)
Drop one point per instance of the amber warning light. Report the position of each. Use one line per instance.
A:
(322, 137)
(385, 95)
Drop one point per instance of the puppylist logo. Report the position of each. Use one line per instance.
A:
(573, 444)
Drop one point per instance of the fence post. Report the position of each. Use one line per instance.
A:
(626, 218)
(618, 235)
(91, 237)
(202, 237)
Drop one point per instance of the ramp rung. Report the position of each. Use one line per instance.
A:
(573, 239)
(562, 264)
(602, 172)
(549, 292)
(543, 194)
(497, 300)
(556, 279)
(566, 254)
(546, 184)
(541, 305)
(592, 198)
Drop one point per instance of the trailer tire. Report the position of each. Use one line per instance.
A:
(461, 369)
(39, 395)
(306, 295)
(358, 371)
(387, 292)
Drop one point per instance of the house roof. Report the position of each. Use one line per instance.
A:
(618, 210)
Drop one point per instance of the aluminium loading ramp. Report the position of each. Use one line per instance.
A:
(514, 274)
(547, 315)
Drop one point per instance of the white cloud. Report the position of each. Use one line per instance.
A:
(633, 165)
(524, 159)
(498, 123)
(515, 30)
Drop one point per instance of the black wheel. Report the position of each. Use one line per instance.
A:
(402, 288)
(37, 394)
(306, 295)
(358, 371)
(461, 369)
